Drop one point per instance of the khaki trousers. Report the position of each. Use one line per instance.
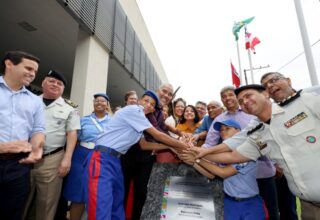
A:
(47, 185)
(310, 211)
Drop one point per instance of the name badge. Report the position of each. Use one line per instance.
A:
(296, 119)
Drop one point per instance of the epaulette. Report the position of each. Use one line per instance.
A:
(71, 103)
(255, 129)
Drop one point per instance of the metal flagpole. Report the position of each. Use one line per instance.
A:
(306, 44)
(240, 71)
(249, 55)
(250, 64)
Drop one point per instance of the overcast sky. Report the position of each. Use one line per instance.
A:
(195, 43)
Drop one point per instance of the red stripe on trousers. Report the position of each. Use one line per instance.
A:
(94, 172)
(265, 210)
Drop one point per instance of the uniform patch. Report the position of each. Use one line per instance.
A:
(261, 145)
(296, 119)
(311, 139)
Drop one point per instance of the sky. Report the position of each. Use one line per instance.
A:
(195, 43)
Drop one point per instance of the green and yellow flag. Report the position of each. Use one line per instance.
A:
(238, 25)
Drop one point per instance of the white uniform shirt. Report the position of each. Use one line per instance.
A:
(60, 117)
(296, 128)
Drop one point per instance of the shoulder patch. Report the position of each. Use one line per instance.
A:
(71, 103)
(255, 129)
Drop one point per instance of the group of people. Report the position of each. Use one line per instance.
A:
(265, 151)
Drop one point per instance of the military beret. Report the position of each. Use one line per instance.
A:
(58, 76)
(250, 86)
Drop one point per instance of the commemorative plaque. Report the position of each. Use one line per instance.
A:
(187, 198)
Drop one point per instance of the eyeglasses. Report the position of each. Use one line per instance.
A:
(273, 80)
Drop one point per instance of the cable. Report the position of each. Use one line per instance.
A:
(297, 56)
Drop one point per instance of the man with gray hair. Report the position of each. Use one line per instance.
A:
(214, 109)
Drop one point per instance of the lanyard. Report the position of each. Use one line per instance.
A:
(96, 124)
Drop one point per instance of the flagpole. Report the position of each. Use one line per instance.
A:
(249, 56)
(306, 44)
(250, 64)
(240, 71)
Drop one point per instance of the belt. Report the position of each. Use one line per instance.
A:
(239, 199)
(12, 156)
(89, 145)
(53, 152)
(108, 150)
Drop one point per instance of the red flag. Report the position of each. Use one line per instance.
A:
(251, 42)
(235, 77)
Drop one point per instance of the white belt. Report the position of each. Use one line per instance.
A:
(89, 145)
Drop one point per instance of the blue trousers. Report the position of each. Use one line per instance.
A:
(248, 209)
(105, 191)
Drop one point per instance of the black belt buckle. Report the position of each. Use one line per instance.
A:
(108, 150)
(53, 152)
(237, 199)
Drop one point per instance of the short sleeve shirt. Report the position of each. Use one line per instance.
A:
(244, 183)
(89, 131)
(124, 129)
(60, 118)
(292, 141)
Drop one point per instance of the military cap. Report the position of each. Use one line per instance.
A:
(58, 76)
(250, 86)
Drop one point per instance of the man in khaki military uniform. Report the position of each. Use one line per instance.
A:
(62, 122)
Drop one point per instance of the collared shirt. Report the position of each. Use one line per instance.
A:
(89, 132)
(265, 167)
(296, 128)
(244, 183)
(213, 135)
(21, 114)
(205, 126)
(124, 129)
(60, 117)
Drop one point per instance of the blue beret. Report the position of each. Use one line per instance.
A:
(229, 123)
(58, 76)
(102, 95)
(153, 95)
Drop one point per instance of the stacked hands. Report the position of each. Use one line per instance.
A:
(191, 152)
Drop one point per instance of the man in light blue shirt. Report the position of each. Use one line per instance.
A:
(21, 131)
